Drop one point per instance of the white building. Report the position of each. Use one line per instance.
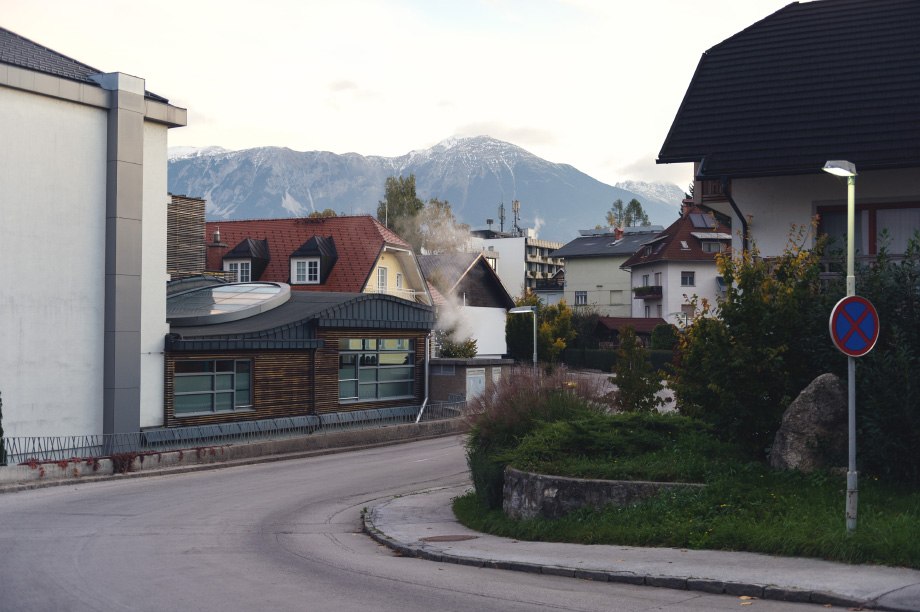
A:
(810, 83)
(677, 265)
(523, 263)
(593, 276)
(83, 200)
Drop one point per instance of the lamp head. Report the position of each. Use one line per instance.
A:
(522, 310)
(840, 167)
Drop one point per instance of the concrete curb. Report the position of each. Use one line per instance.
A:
(216, 457)
(431, 552)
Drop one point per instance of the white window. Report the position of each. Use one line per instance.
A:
(644, 283)
(687, 278)
(712, 247)
(659, 310)
(381, 280)
(240, 270)
(399, 280)
(658, 278)
(305, 271)
(581, 299)
(686, 312)
(648, 312)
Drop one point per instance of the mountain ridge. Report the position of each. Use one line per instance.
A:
(474, 174)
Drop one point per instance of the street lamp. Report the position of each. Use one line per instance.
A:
(840, 167)
(529, 310)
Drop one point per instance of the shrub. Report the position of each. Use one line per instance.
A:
(459, 349)
(502, 418)
(664, 337)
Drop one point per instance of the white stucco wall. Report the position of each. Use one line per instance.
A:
(52, 212)
(608, 287)
(153, 289)
(488, 329)
(673, 294)
(774, 204)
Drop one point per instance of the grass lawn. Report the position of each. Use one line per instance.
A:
(745, 506)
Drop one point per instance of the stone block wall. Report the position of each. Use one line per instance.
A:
(527, 495)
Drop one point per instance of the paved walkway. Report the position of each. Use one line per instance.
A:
(423, 525)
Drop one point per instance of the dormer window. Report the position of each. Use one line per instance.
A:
(305, 271)
(313, 261)
(240, 270)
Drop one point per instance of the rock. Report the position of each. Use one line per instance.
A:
(813, 434)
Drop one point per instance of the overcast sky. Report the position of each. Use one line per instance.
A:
(591, 83)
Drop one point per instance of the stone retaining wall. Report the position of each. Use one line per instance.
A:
(527, 495)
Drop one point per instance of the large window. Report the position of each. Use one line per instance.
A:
(305, 271)
(240, 270)
(376, 369)
(381, 280)
(219, 385)
(888, 226)
(687, 278)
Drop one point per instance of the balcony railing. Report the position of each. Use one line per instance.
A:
(648, 292)
(406, 294)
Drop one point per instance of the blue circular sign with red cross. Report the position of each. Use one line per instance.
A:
(854, 326)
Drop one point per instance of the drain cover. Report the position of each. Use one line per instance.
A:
(449, 538)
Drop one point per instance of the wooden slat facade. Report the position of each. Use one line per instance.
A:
(285, 383)
(185, 241)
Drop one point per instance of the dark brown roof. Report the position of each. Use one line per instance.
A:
(465, 276)
(639, 325)
(19, 51)
(683, 240)
(830, 79)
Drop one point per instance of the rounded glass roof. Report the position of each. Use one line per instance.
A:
(225, 302)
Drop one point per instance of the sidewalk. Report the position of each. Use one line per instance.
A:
(423, 525)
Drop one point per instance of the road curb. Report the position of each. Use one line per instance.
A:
(259, 457)
(430, 552)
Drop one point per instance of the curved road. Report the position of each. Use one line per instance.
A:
(273, 536)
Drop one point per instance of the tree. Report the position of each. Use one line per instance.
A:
(322, 214)
(626, 215)
(637, 382)
(554, 330)
(399, 202)
(438, 230)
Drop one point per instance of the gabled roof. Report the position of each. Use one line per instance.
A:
(358, 240)
(607, 244)
(19, 51)
(466, 273)
(679, 242)
(830, 79)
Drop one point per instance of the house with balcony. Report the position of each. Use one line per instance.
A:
(678, 265)
(350, 254)
(83, 210)
(593, 274)
(813, 82)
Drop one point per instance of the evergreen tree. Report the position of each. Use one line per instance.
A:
(627, 215)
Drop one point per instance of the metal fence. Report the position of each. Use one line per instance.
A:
(22, 450)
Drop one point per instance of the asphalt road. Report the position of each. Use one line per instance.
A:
(275, 536)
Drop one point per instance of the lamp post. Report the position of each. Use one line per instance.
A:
(839, 167)
(529, 310)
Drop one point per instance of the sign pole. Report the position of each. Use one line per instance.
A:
(852, 478)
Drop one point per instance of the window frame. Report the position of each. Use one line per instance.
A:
(362, 360)
(688, 278)
(240, 390)
(311, 273)
(236, 267)
(581, 298)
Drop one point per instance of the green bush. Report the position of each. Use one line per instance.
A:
(664, 337)
(502, 418)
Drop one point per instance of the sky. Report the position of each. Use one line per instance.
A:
(591, 83)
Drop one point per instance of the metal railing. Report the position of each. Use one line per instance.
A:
(24, 450)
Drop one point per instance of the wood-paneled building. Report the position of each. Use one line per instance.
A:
(255, 351)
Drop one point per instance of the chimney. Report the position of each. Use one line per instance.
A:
(217, 236)
(618, 233)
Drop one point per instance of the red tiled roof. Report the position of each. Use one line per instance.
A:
(358, 242)
(667, 246)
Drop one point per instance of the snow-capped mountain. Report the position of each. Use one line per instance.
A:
(667, 193)
(474, 174)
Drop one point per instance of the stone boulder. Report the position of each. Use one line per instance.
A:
(813, 434)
